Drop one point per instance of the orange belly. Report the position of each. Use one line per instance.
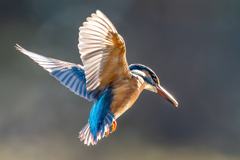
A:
(126, 92)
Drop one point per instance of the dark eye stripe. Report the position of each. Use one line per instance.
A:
(146, 69)
(148, 79)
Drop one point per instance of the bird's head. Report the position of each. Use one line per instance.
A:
(151, 81)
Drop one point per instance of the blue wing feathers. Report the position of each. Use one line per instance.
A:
(77, 87)
(69, 80)
(73, 80)
(81, 90)
(73, 77)
(69, 74)
(74, 88)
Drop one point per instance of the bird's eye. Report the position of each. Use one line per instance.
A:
(154, 78)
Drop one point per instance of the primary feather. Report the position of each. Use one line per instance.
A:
(69, 74)
(101, 48)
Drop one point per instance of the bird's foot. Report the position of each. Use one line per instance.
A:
(107, 133)
(112, 128)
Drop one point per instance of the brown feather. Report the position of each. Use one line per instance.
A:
(116, 66)
(125, 94)
(102, 51)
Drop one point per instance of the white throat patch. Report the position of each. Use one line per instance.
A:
(150, 88)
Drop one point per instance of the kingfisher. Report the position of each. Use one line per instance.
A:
(104, 78)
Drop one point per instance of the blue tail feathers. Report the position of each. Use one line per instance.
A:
(104, 128)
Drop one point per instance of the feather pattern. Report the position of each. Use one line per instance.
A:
(105, 127)
(69, 74)
(102, 51)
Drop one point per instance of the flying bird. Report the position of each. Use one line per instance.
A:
(105, 77)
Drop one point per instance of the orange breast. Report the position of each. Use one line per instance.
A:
(125, 93)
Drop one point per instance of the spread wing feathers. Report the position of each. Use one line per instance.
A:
(109, 124)
(102, 51)
(69, 74)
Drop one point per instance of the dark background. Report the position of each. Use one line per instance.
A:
(192, 45)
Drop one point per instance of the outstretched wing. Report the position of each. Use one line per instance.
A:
(102, 51)
(69, 74)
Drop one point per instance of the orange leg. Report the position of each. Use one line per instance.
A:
(114, 126)
(107, 133)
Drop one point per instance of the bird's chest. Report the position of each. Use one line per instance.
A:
(125, 94)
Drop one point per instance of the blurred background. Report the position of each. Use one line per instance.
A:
(193, 46)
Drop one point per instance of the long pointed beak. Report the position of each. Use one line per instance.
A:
(166, 95)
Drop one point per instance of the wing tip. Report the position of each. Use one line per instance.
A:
(98, 11)
(18, 47)
(24, 51)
